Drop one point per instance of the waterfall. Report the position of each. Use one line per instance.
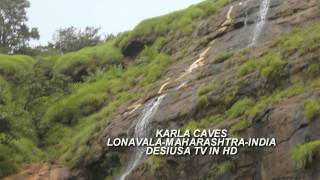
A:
(264, 8)
(246, 19)
(142, 130)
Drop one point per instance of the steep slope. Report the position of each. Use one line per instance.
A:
(254, 90)
(18, 138)
(249, 66)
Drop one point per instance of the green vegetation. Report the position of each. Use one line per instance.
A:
(203, 101)
(240, 107)
(158, 163)
(203, 123)
(224, 167)
(304, 154)
(311, 109)
(62, 102)
(5, 91)
(246, 68)
(203, 91)
(223, 57)
(17, 152)
(313, 70)
(207, 88)
(301, 41)
(278, 94)
(92, 104)
(15, 67)
(239, 126)
(88, 59)
(269, 66)
(183, 21)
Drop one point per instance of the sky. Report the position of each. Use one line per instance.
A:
(112, 16)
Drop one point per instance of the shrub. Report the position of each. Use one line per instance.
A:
(72, 108)
(5, 92)
(301, 41)
(155, 68)
(191, 126)
(313, 70)
(203, 101)
(311, 109)
(207, 88)
(240, 107)
(158, 163)
(104, 55)
(183, 21)
(15, 67)
(304, 154)
(224, 167)
(239, 126)
(271, 65)
(223, 57)
(246, 68)
(18, 152)
(203, 123)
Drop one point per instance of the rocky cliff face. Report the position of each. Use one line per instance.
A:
(232, 31)
(274, 79)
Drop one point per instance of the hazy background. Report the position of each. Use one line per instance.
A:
(112, 16)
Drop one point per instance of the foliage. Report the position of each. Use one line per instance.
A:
(246, 68)
(92, 103)
(14, 32)
(275, 97)
(223, 57)
(303, 154)
(5, 91)
(203, 101)
(203, 123)
(313, 70)
(301, 41)
(158, 163)
(240, 107)
(180, 21)
(18, 152)
(88, 60)
(61, 102)
(15, 67)
(311, 109)
(224, 167)
(269, 66)
(207, 88)
(73, 39)
(239, 126)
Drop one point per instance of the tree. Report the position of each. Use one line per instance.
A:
(14, 33)
(73, 39)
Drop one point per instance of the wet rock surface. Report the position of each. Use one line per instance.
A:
(284, 120)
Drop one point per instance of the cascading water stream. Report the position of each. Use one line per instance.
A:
(142, 130)
(264, 8)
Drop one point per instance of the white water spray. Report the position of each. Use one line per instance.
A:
(264, 8)
(142, 130)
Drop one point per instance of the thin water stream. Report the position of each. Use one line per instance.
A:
(264, 9)
(142, 130)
